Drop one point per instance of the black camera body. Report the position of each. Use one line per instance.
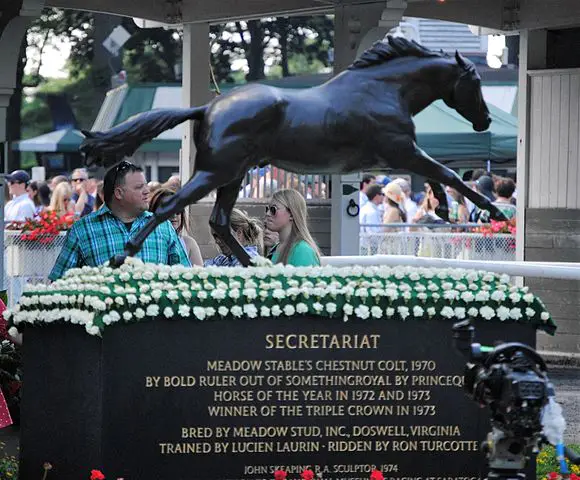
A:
(511, 380)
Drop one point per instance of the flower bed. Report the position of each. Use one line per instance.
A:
(102, 296)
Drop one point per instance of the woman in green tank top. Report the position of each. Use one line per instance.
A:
(287, 215)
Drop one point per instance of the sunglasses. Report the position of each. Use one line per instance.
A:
(272, 210)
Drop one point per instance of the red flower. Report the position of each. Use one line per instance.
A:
(97, 475)
(280, 475)
(573, 476)
(307, 474)
(553, 476)
(377, 475)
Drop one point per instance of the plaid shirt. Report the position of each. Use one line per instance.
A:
(96, 238)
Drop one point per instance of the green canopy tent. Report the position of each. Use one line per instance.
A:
(446, 135)
(62, 141)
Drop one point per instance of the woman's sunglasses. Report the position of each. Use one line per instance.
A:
(272, 210)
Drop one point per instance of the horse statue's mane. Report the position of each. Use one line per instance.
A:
(395, 47)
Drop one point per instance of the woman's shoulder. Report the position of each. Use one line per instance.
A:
(302, 254)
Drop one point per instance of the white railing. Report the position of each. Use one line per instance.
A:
(437, 243)
(263, 182)
(556, 270)
(28, 261)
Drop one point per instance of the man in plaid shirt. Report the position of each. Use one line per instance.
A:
(99, 236)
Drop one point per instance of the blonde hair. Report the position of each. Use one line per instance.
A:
(60, 192)
(296, 205)
(248, 229)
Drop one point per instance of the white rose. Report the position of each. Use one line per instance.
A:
(13, 332)
(199, 312)
(331, 308)
(139, 313)
(482, 296)
(403, 312)
(528, 298)
(127, 316)
(389, 311)
(545, 316)
(186, 294)
(516, 313)
(460, 312)
(223, 311)
(289, 310)
(302, 308)
(473, 312)
(152, 310)
(250, 293)
(264, 311)
(515, 297)
(447, 312)
(503, 313)
(202, 295)
(250, 310)
(173, 295)
(168, 312)
(530, 312)
(348, 309)
(487, 312)
(276, 311)
(236, 311)
(418, 311)
(234, 293)
(318, 307)
(431, 311)
(184, 311)
(362, 311)
(498, 296)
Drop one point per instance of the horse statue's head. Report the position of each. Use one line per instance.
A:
(466, 96)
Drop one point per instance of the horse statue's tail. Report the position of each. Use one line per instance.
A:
(107, 148)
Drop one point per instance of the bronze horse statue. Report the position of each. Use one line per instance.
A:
(359, 120)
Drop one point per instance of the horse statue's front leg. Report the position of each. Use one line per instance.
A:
(422, 164)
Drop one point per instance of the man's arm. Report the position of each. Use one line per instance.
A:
(69, 256)
(177, 254)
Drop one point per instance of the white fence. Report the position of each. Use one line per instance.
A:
(28, 261)
(451, 245)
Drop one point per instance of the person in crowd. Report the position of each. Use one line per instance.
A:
(97, 237)
(173, 183)
(20, 208)
(179, 223)
(153, 187)
(477, 174)
(483, 185)
(426, 212)
(91, 187)
(458, 212)
(394, 211)
(262, 184)
(60, 201)
(248, 231)
(505, 188)
(371, 217)
(82, 200)
(271, 240)
(409, 205)
(100, 198)
(33, 194)
(287, 215)
(367, 180)
(56, 180)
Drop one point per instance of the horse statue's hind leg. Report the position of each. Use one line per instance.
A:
(422, 164)
(219, 220)
(201, 184)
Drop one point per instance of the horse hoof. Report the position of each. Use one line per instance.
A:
(117, 261)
